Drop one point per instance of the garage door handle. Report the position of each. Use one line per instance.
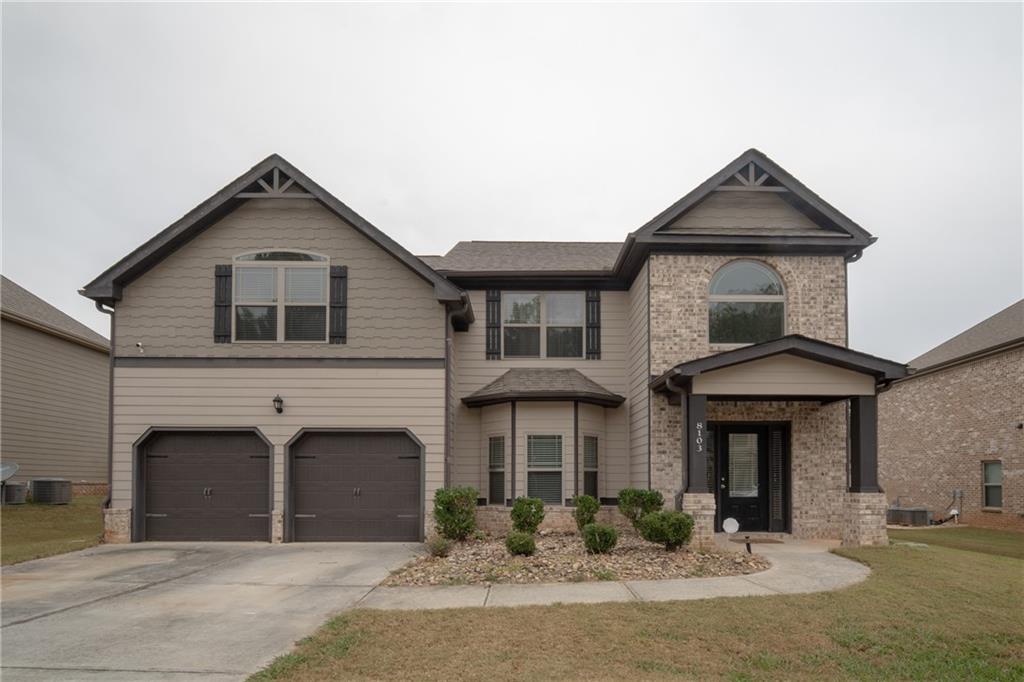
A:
(156, 516)
(305, 516)
(258, 516)
(408, 516)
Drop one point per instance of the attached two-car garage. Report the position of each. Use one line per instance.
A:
(340, 485)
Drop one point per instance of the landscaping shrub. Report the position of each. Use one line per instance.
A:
(527, 513)
(439, 546)
(455, 512)
(585, 511)
(520, 542)
(599, 538)
(669, 528)
(636, 504)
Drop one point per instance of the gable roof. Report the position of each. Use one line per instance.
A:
(543, 384)
(1004, 328)
(792, 344)
(106, 288)
(21, 305)
(512, 257)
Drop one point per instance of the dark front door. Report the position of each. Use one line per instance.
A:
(206, 485)
(355, 486)
(743, 475)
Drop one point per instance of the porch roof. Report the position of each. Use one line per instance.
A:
(543, 384)
(682, 376)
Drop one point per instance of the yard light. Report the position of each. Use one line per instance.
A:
(279, 404)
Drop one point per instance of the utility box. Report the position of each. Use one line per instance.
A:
(908, 516)
(51, 490)
(15, 493)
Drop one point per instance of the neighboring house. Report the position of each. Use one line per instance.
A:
(951, 435)
(54, 383)
(286, 371)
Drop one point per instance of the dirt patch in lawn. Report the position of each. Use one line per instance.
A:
(560, 558)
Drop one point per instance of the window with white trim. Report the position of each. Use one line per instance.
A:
(543, 325)
(590, 447)
(496, 469)
(992, 484)
(746, 304)
(280, 296)
(544, 468)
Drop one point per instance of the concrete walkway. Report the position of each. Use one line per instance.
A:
(798, 566)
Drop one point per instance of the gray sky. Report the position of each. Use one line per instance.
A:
(566, 122)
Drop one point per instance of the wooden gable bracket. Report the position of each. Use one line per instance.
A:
(277, 188)
(751, 179)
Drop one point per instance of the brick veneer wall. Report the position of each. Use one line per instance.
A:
(936, 429)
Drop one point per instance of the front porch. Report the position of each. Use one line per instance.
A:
(780, 436)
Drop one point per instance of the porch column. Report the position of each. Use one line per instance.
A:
(864, 522)
(698, 501)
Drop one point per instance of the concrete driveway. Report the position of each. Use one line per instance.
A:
(177, 611)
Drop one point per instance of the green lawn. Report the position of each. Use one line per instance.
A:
(925, 613)
(31, 531)
(985, 540)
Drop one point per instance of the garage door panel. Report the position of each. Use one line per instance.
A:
(358, 486)
(207, 485)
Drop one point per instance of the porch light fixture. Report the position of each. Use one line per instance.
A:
(279, 404)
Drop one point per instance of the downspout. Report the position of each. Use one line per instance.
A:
(110, 408)
(449, 342)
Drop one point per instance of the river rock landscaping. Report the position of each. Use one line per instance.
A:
(560, 558)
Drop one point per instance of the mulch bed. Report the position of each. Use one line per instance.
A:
(561, 558)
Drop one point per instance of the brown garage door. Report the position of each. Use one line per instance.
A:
(361, 486)
(207, 485)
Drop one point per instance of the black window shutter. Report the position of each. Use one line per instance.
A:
(593, 324)
(222, 304)
(339, 304)
(493, 324)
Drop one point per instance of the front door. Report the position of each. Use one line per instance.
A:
(743, 475)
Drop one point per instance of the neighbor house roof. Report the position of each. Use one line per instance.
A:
(21, 305)
(256, 183)
(1004, 328)
(498, 257)
(543, 384)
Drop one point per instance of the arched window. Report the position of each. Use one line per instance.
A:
(746, 304)
(280, 296)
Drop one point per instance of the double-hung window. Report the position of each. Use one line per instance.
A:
(544, 468)
(746, 304)
(590, 444)
(543, 325)
(280, 296)
(496, 469)
(992, 484)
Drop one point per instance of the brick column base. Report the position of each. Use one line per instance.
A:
(277, 526)
(864, 520)
(117, 526)
(701, 506)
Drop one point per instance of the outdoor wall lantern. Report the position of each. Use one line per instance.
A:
(279, 404)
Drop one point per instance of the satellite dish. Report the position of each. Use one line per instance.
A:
(7, 470)
(730, 525)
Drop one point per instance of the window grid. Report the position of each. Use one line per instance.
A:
(992, 484)
(496, 469)
(745, 299)
(542, 325)
(590, 450)
(288, 284)
(544, 468)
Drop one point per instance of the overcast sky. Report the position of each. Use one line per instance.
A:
(553, 122)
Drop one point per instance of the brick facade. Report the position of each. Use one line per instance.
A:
(936, 429)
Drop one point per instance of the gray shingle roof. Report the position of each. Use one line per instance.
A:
(21, 303)
(485, 256)
(543, 384)
(1005, 326)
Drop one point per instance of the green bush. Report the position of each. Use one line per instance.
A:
(598, 538)
(455, 512)
(527, 513)
(585, 510)
(669, 528)
(635, 503)
(439, 546)
(519, 542)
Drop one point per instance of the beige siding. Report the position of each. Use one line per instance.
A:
(392, 312)
(53, 407)
(743, 211)
(495, 420)
(544, 419)
(639, 364)
(475, 371)
(784, 375)
(612, 472)
(321, 397)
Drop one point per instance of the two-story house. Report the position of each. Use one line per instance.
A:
(285, 371)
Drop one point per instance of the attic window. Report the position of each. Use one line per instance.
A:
(746, 304)
(280, 296)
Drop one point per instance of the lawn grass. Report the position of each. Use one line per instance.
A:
(31, 531)
(924, 613)
(987, 540)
